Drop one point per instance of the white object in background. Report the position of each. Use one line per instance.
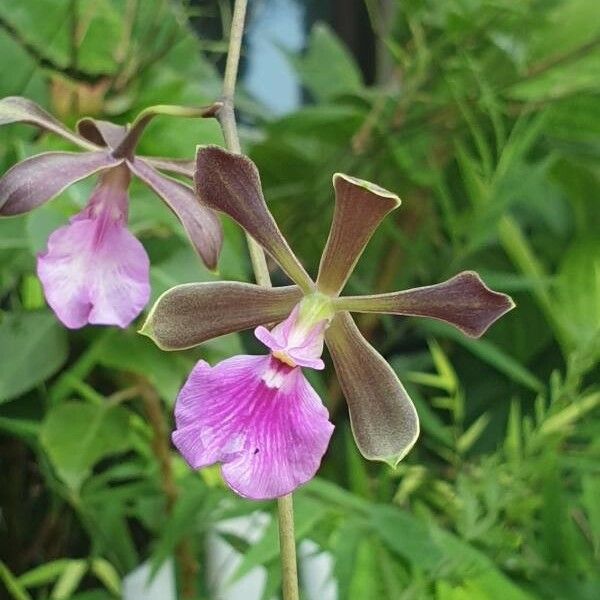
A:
(315, 566)
(138, 584)
(316, 572)
(223, 560)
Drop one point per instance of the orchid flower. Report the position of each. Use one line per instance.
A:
(94, 270)
(257, 415)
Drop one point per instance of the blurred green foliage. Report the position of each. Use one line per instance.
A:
(486, 120)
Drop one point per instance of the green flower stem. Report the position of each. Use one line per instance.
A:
(226, 116)
(287, 548)
(127, 147)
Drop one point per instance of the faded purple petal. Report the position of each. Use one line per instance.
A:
(39, 178)
(16, 109)
(181, 166)
(261, 419)
(94, 270)
(201, 224)
(293, 343)
(101, 133)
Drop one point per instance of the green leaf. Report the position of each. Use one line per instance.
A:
(127, 351)
(473, 433)
(345, 548)
(328, 69)
(12, 584)
(69, 580)
(406, 536)
(591, 493)
(491, 354)
(108, 575)
(578, 290)
(44, 574)
(34, 347)
(478, 571)
(570, 78)
(77, 435)
(365, 581)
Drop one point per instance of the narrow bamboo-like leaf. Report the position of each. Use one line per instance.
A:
(69, 580)
(230, 183)
(463, 301)
(190, 314)
(384, 420)
(15, 109)
(360, 207)
(489, 353)
(181, 166)
(101, 133)
(201, 224)
(39, 178)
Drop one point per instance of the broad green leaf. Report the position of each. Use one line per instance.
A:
(127, 351)
(345, 547)
(34, 347)
(406, 536)
(77, 435)
(578, 290)
(566, 27)
(328, 69)
(365, 581)
(571, 78)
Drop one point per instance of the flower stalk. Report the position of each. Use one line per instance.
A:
(226, 116)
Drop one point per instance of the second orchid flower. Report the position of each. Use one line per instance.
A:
(94, 270)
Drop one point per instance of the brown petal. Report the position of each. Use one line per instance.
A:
(230, 183)
(201, 224)
(39, 178)
(463, 301)
(190, 314)
(383, 418)
(360, 207)
(15, 109)
(101, 133)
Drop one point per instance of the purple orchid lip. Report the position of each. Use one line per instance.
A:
(257, 415)
(259, 418)
(94, 270)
